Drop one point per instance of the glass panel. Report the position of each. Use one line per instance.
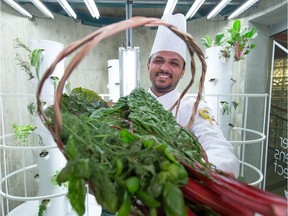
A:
(277, 156)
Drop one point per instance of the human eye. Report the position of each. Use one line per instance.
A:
(175, 63)
(157, 61)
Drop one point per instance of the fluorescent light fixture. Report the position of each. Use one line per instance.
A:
(92, 8)
(194, 8)
(42, 8)
(18, 8)
(64, 4)
(170, 6)
(129, 69)
(218, 8)
(242, 8)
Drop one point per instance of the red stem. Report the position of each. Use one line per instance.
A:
(232, 190)
(196, 191)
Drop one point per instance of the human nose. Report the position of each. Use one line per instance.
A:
(164, 67)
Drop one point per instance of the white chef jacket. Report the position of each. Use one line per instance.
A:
(219, 151)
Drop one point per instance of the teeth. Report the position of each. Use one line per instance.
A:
(164, 76)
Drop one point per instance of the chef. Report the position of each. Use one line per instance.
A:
(166, 66)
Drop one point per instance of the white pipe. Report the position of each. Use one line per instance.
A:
(242, 8)
(42, 8)
(218, 8)
(18, 8)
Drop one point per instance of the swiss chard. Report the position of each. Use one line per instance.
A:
(127, 143)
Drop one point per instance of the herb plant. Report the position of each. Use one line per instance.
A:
(134, 146)
(43, 206)
(237, 39)
(138, 161)
(226, 109)
(22, 133)
(208, 42)
(34, 59)
(55, 80)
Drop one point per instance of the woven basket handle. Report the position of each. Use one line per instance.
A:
(88, 42)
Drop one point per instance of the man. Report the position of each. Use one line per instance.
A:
(166, 66)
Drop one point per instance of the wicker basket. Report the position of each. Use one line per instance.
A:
(215, 187)
(87, 43)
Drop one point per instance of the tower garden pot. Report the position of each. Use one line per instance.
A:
(221, 54)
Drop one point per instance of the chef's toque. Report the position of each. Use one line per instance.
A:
(166, 40)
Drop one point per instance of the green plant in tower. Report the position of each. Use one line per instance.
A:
(43, 207)
(55, 81)
(54, 180)
(237, 39)
(32, 108)
(34, 59)
(224, 105)
(208, 42)
(24, 65)
(21, 133)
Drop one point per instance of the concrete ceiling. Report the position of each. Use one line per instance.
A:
(273, 16)
(115, 10)
(276, 20)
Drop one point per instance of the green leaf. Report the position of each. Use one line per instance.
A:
(224, 107)
(132, 185)
(125, 207)
(21, 133)
(173, 200)
(74, 169)
(235, 104)
(147, 199)
(177, 173)
(218, 39)
(84, 101)
(127, 137)
(76, 194)
(237, 26)
(36, 59)
(207, 42)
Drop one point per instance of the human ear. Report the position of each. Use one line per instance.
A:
(148, 66)
(182, 73)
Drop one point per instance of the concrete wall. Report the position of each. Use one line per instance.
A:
(92, 72)
(252, 75)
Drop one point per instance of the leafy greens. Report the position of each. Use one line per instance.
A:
(126, 153)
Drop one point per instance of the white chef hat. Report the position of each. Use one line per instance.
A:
(166, 40)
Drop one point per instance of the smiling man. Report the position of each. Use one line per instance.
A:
(166, 66)
(165, 70)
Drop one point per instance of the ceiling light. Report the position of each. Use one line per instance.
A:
(64, 4)
(170, 6)
(242, 8)
(194, 8)
(18, 8)
(218, 8)
(42, 7)
(92, 8)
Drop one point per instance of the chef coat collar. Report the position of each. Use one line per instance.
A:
(167, 100)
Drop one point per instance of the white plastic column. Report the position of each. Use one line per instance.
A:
(114, 80)
(219, 82)
(54, 161)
